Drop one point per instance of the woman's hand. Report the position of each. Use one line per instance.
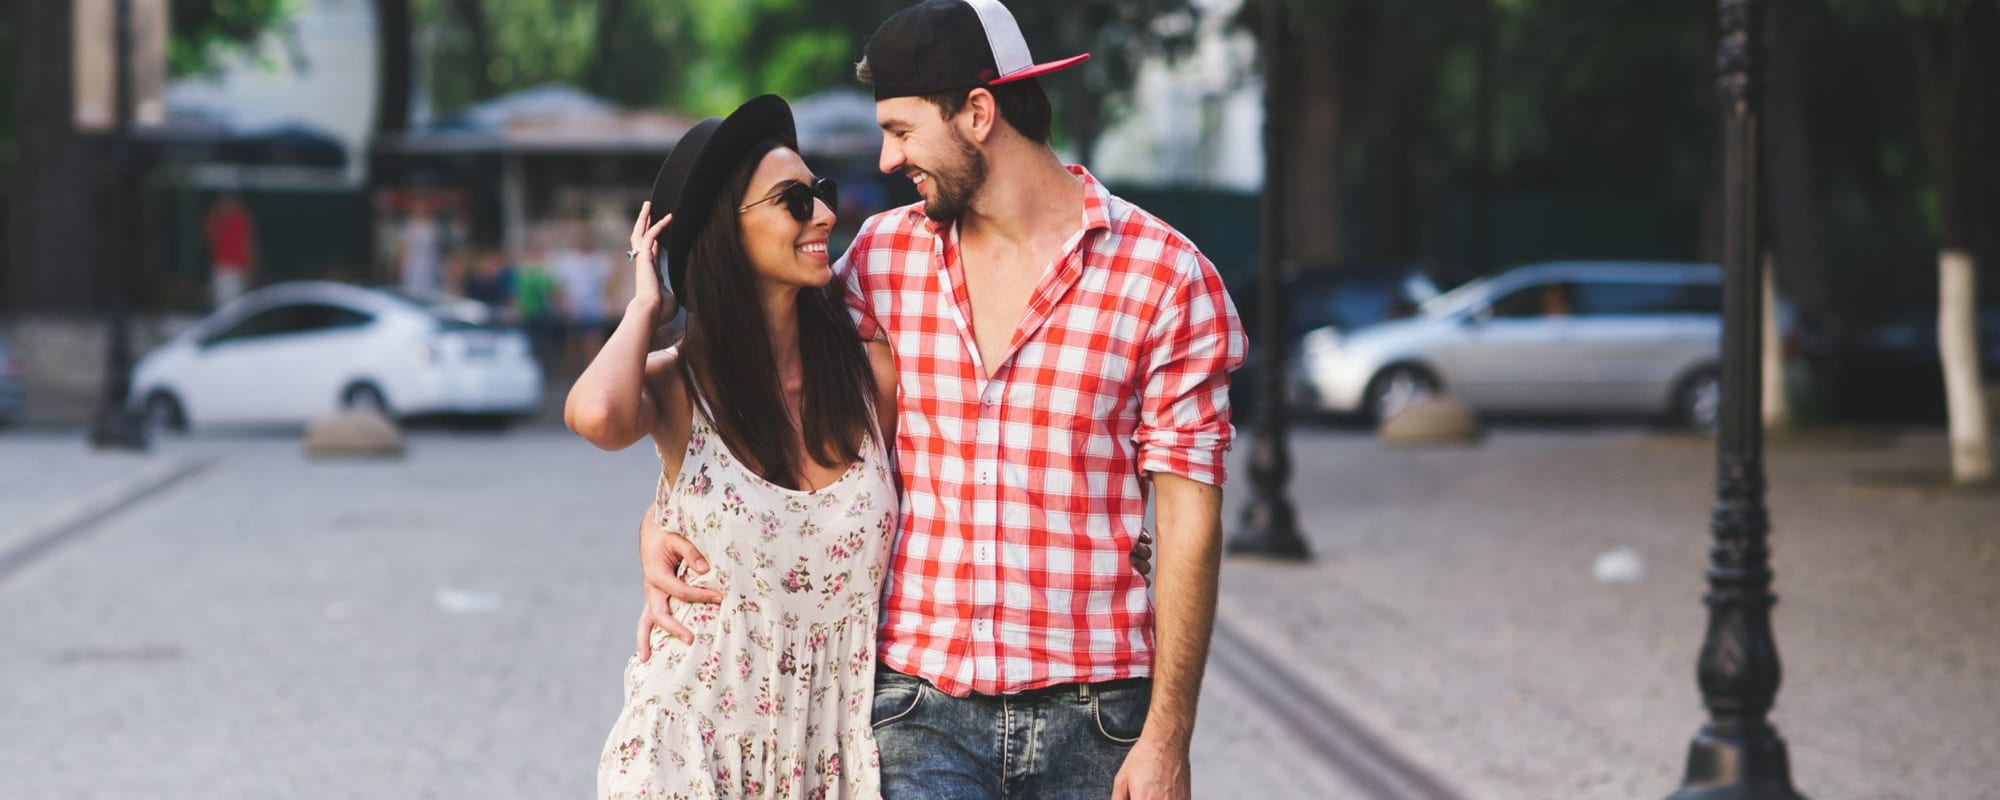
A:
(645, 257)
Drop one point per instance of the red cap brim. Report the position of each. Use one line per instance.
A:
(1040, 69)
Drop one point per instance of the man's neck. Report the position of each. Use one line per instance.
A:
(1029, 194)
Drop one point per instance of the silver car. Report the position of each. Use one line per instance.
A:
(1567, 337)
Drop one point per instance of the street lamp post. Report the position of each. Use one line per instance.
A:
(1270, 527)
(117, 426)
(1738, 755)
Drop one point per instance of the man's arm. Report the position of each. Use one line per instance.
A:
(1189, 515)
(1184, 434)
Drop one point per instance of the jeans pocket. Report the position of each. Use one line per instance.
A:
(896, 697)
(1121, 713)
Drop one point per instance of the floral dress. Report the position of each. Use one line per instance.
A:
(772, 700)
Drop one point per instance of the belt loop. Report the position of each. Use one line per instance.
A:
(1083, 693)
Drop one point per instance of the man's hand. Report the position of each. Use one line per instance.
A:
(661, 555)
(1153, 770)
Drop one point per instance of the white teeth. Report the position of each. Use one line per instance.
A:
(919, 178)
(813, 248)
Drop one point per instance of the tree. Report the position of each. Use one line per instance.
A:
(1942, 31)
(61, 169)
(1944, 36)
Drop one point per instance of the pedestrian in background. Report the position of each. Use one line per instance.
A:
(536, 302)
(231, 235)
(584, 272)
(419, 256)
(491, 280)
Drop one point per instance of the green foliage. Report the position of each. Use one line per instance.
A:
(703, 57)
(204, 32)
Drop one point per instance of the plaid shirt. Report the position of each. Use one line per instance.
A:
(1022, 492)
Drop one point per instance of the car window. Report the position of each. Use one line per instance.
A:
(1603, 298)
(292, 318)
(1538, 300)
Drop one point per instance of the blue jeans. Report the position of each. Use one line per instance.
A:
(1057, 743)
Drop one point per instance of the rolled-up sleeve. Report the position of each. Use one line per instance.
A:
(1192, 346)
(849, 275)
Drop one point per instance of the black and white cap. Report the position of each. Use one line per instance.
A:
(944, 45)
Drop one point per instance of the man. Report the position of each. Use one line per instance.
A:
(1061, 351)
(232, 248)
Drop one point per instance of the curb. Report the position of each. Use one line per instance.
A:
(22, 545)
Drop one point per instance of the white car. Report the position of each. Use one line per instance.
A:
(1568, 337)
(295, 351)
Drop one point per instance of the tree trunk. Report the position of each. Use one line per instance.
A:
(53, 220)
(1388, 237)
(1319, 65)
(1479, 245)
(602, 75)
(472, 15)
(392, 66)
(1800, 258)
(1958, 346)
(1941, 51)
(1777, 405)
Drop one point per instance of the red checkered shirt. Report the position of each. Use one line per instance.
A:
(1023, 491)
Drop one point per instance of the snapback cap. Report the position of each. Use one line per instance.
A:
(944, 45)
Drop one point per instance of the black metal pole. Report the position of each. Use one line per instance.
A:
(117, 427)
(1270, 528)
(1738, 755)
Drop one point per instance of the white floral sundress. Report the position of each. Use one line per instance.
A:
(773, 698)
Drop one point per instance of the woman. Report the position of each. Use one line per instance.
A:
(769, 418)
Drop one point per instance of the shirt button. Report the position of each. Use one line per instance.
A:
(983, 554)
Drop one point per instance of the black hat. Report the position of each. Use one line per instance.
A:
(942, 45)
(694, 172)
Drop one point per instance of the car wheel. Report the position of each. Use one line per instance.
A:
(1698, 401)
(164, 413)
(1395, 388)
(365, 397)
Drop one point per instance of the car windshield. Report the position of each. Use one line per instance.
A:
(452, 313)
(1457, 299)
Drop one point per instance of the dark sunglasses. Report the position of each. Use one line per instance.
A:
(798, 198)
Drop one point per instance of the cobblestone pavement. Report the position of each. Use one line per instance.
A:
(1452, 608)
(453, 624)
(449, 625)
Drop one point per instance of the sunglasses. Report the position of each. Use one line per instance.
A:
(798, 198)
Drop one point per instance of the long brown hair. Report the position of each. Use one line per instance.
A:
(726, 351)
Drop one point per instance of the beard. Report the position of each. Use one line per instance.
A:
(956, 183)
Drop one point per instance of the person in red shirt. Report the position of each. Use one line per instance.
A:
(232, 247)
(1062, 355)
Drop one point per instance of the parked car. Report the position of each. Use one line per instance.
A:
(1566, 337)
(295, 351)
(13, 386)
(1890, 371)
(1344, 298)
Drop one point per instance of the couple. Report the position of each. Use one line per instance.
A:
(892, 546)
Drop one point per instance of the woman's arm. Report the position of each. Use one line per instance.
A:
(610, 406)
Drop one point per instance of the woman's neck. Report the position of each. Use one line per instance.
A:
(781, 319)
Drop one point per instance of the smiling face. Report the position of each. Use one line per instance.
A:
(782, 250)
(933, 153)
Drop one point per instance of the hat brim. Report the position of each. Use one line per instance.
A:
(694, 172)
(1040, 70)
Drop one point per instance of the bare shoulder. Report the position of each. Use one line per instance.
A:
(882, 361)
(665, 386)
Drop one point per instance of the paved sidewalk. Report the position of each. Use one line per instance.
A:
(1453, 608)
(453, 624)
(450, 625)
